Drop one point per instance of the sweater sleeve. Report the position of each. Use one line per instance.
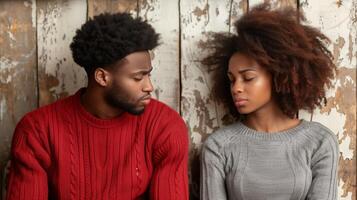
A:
(212, 186)
(170, 158)
(324, 170)
(29, 160)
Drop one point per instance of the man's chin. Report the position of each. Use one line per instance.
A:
(137, 111)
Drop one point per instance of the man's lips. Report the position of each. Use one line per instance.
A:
(146, 100)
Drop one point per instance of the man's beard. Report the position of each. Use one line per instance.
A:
(117, 99)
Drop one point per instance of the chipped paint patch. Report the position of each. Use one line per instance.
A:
(335, 118)
(6, 64)
(58, 74)
(165, 58)
(33, 11)
(12, 37)
(337, 21)
(198, 12)
(346, 151)
(341, 194)
(2, 108)
(196, 138)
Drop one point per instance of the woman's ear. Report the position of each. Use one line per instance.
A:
(102, 77)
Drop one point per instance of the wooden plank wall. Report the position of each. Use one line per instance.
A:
(36, 67)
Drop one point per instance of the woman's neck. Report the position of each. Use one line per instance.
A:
(270, 119)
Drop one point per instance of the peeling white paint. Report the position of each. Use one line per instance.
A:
(336, 22)
(33, 11)
(348, 79)
(334, 120)
(196, 138)
(340, 191)
(347, 153)
(2, 108)
(12, 37)
(6, 64)
(335, 19)
(165, 74)
(198, 19)
(303, 114)
(57, 23)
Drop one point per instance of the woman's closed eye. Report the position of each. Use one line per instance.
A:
(249, 78)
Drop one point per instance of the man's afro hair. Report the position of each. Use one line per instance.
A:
(107, 38)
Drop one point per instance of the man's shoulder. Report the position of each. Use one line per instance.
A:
(160, 109)
(53, 109)
(162, 116)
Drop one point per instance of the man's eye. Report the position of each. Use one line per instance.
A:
(138, 78)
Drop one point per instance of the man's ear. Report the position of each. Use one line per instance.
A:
(102, 77)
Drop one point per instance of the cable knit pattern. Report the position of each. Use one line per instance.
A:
(61, 151)
(297, 164)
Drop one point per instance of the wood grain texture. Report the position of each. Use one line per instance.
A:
(201, 112)
(96, 7)
(18, 80)
(179, 78)
(163, 15)
(274, 3)
(337, 19)
(57, 22)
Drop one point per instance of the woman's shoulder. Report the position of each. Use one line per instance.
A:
(321, 136)
(223, 136)
(320, 131)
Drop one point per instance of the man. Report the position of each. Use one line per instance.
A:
(110, 140)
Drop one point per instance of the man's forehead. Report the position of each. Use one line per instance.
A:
(135, 62)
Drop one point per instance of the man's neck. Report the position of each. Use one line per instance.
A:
(93, 101)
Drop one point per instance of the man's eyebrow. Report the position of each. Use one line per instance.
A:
(143, 71)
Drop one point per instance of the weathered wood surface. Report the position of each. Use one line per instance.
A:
(274, 3)
(18, 80)
(96, 7)
(178, 77)
(201, 112)
(57, 22)
(163, 15)
(338, 20)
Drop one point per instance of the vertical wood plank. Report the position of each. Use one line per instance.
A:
(238, 8)
(337, 19)
(274, 3)
(202, 114)
(96, 7)
(163, 15)
(57, 22)
(18, 80)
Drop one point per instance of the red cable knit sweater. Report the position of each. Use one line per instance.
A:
(60, 151)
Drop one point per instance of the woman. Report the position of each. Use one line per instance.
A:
(273, 67)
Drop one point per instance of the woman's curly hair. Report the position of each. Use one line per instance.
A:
(295, 54)
(107, 38)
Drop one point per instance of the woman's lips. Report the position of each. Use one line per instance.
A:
(240, 102)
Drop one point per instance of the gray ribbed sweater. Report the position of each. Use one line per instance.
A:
(239, 163)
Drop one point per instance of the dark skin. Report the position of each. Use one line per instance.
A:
(251, 89)
(125, 82)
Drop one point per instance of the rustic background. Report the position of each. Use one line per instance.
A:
(36, 67)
